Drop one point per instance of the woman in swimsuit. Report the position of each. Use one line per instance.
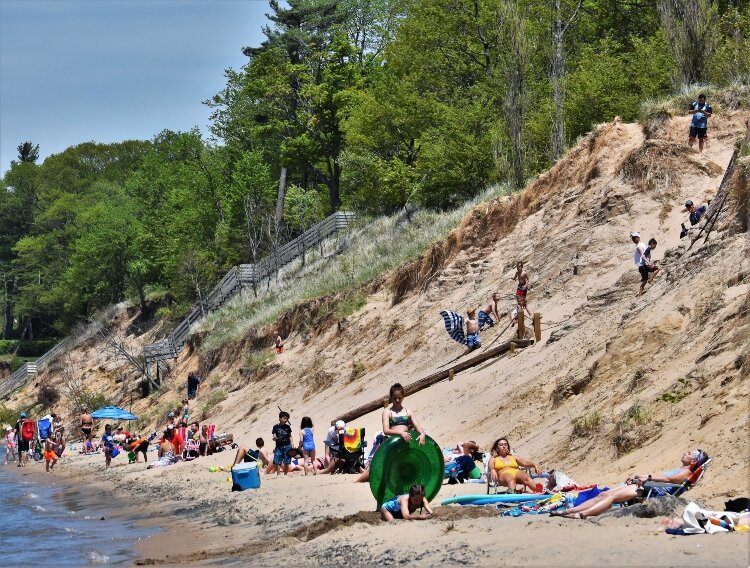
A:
(690, 461)
(504, 467)
(397, 421)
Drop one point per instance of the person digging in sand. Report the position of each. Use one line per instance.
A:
(404, 506)
(504, 468)
(633, 489)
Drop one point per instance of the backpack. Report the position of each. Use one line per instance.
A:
(27, 430)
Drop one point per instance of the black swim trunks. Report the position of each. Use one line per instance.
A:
(699, 132)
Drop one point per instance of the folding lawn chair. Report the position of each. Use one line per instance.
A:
(350, 451)
(659, 489)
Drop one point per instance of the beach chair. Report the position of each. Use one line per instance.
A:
(350, 450)
(653, 489)
(191, 450)
(496, 488)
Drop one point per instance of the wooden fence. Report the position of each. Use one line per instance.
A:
(30, 369)
(245, 275)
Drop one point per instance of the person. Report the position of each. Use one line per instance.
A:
(639, 258)
(278, 342)
(504, 467)
(193, 385)
(464, 464)
(332, 438)
(473, 341)
(404, 506)
(173, 436)
(281, 433)
(185, 410)
(10, 444)
(121, 434)
(203, 440)
(695, 212)
(25, 431)
(50, 457)
(137, 445)
(690, 461)
(59, 440)
(701, 112)
(108, 441)
(57, 422)
(488, 311)
(397, 421)
(87, 427)
(522, 288)
(651, 267)
(307, 443)
(259, 455)
(166, 447)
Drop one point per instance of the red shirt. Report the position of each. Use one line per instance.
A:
(177, 442)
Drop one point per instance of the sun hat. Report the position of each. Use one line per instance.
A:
(340, 424)
(636, 234)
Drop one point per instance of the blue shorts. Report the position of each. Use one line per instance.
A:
(473, 341)
(485, 320)
(393, 507)
(281, 455)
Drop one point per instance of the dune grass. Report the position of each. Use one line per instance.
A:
(369, 249)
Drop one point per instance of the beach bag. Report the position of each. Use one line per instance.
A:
(27, 430)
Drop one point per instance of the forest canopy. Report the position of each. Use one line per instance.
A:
(365, 105)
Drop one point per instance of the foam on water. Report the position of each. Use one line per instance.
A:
(63, 518)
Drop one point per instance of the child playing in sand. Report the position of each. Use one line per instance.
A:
(50, 457)
(307, 443)
(486, 312)
(403, 506)
(473, 340)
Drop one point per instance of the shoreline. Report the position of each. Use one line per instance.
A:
(328, 519)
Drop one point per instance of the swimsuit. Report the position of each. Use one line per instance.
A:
(506, 465)
(400, 419)
(473, 341)
(485, 319)
(308, 443)
(394, 507)
(521, 291)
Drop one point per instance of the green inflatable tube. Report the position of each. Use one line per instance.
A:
(397, 465)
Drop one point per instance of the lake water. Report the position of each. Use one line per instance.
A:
(52, 524)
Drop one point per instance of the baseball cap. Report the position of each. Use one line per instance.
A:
(23, 415)
(635, 235)
(688, 204)
(170, 415)
(340, 424)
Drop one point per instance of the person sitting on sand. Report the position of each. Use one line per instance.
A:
(632, 489)
(171, 434)
(404, 506)
(397, 421)
(487, 312)
(464, 467)
(504, 467)
(245, 455)
(166, 447)
(203, 440)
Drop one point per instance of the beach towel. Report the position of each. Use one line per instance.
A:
(555, 502)
(166, 459)
(352, 439)
(699, 520)
(454, 325)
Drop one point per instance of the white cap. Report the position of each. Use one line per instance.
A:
(340, 424)
(635, 235)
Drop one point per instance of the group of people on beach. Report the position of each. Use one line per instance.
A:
(43, 439)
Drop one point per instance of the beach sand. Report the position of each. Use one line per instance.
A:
(329, 520)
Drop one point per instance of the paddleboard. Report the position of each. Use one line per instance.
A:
(491, 499)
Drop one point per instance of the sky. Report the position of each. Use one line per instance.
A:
(112, 70)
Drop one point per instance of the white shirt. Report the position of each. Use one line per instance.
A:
(638, 257)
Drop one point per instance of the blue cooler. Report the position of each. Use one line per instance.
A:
(245, 476)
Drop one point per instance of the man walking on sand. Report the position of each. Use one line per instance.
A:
(700, 110)
(487, 312)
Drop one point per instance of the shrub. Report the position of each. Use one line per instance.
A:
(213, 401)
(633, 428)
(258, 359)
(359, 369)
(587, 425)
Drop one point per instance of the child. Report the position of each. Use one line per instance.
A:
(108, 441)
(278, 343)
(486, 313)
(523, 286)
(650, 269)
(307, 443)
(50, 457)
(281, 433)
(403, 506)
(10, 441)
(185, 410)
(473, 340)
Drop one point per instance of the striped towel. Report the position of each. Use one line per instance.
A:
(454, 325)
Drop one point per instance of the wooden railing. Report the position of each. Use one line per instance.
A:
(30, 369)
(244, 275)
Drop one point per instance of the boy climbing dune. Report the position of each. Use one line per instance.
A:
(487, 312)
(473, 341)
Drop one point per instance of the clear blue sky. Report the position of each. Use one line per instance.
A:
(112, 70)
